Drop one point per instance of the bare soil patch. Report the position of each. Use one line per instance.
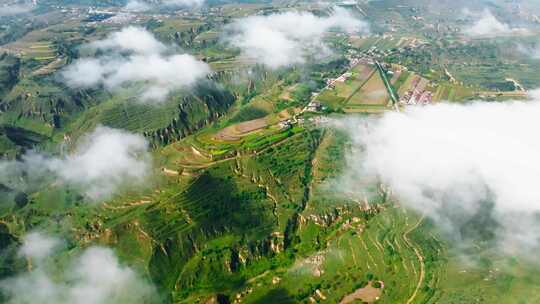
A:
(368, 294)
(237, 131)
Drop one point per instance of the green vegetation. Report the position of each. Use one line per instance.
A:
(246, 199)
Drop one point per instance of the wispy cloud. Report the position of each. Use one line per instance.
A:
(15, 9)
(94, 277)
(38, 246)
(455, 161)
(184, 3)
(530, 51)
(487, 25)
(102, 162)
(289, 38)
(147, 64)
(143, 5)
(132, 39)
(137, 6)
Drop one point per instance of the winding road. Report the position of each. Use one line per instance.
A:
(420, 260)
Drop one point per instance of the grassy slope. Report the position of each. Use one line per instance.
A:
(266, 226)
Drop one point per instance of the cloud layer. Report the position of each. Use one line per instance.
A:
(289, 38)
(184, 3)
(529, 51)
(143, 5)
(137, 6)
(94, 277)
(38, 246)
(103, 161)
(14, 9)
(489, 26)
(444, 158)
(147, 65)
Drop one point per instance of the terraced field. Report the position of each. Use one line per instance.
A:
(241, 207)
(376, 241)
(41, 51)
(381, 43)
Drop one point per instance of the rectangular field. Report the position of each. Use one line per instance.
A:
(361, 73)
(373, 92)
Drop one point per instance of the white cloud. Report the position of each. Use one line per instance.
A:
(147, 65)
(135, 39)
(530, 51)
(86, 72)
(142, 5)
(454, 157)
(184, 3)
(137, 6)
(102, 162)
(94, 277)
(37, 245)
(288, 38)
(489, 26)
(100, 278)
(14, 9)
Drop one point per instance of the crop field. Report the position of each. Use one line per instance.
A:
(367, 109)
(173, 25)
(38, 44)
(252, 195)
(237, 131)
(119, 113)
(363, 92)
(409, 80)
(491, 279)
(361, 74)
(368, 251)
(231, 64)
(486, 76)
(241, 9)
(207, 36)
(182, 155)
(41, 51)
(373, 92)
(380, 42)
(256, 140)
(29, 124)
(452, 92)
(359, 251)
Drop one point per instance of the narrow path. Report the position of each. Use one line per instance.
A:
(356, 90)
(368, 254)
(388, 86)
(420, 260)
(255, 153)
(352, 253)
(206, 165)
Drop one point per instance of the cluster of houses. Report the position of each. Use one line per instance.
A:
(332, 82)
(416, 97)
(313, 106)
(353, 61)
(357, 59)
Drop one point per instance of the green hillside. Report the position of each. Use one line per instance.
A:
(248, 195)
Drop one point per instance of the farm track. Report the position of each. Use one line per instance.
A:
(360, 87)
(254, 153)
(420, 260)
(388, 86)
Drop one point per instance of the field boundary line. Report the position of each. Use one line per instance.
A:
(420, 260)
